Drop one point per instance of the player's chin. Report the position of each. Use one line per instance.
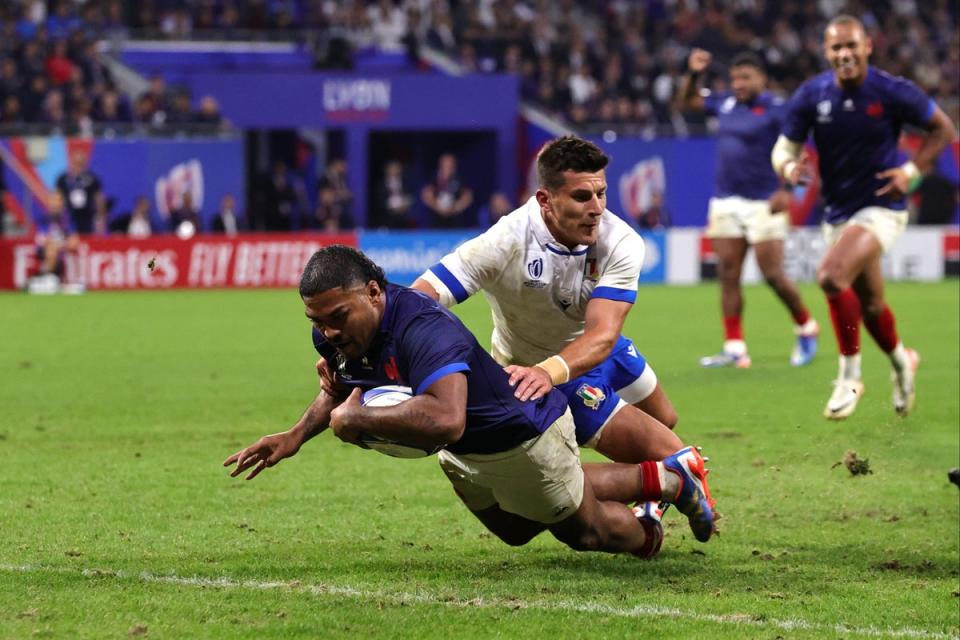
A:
(589, 234)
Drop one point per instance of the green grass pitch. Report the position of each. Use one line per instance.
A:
(116, 518)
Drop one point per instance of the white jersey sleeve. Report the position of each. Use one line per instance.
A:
(474, 265)
(619, 277)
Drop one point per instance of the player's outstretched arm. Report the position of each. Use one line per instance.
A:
(604, 320)
(425, 287)
(907, 177)
(271, 449)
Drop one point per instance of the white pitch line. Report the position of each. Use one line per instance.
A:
(400, 597)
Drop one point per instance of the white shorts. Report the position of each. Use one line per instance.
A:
(886, 224)
(736, 217)
(540, 480)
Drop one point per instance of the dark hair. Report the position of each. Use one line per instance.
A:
(338, 266)
(568, 153)
(845, 19)
(748, 59)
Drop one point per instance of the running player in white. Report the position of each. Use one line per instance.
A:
(561, 274)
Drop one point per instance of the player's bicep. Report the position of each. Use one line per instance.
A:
(468, 269)
(604, 318)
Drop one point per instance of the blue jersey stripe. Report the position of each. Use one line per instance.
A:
(450, 281)
(612, 293)
(445, 370)
(567, 253)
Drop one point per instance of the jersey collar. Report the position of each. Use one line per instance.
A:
(543, 235)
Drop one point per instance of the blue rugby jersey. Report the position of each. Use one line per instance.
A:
(420, 342)
(856, 134)
(747, 133)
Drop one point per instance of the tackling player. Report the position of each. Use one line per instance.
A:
(561, 276)
(855, 113)
(749, 206)
(514, 464)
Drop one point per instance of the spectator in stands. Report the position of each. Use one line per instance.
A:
(393, 199)
(157, 104)
(446, 196)
(10, 113)
(209, 112)
(180, 112)
(136, 223)
(331, 213)
(11, 84)
(58, 65)
(110, 108)
(227, 220)
(185, 219)
(335, 179)
(33, 98)
(282, 198)
(497, 207)
(83, 194)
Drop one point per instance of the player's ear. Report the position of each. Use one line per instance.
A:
(373, 289)
(543, 199)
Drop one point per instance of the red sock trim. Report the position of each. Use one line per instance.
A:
(845, 315)
(651, 491)
(801, 317)
(883, 329)
(732, 328)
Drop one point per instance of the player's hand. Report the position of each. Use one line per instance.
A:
(898, 184)
(780, 201)
(343, 419)
(265, 452)
(800, 172)
(330, 382)
(532, 383)
(699, 60)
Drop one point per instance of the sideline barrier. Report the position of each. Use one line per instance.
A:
(677, 256)
(205, 261)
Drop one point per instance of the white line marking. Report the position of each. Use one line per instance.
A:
(400, 597)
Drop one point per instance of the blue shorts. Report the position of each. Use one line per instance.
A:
(593, 396)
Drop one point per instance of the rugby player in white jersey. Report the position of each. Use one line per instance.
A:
(561, 274)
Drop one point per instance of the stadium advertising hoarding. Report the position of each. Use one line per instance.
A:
(167, 262)
(404, 255)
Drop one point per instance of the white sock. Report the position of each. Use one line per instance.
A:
(669, 483)
(849, 367)
(735, 347)
(898, 357)
(808, 328)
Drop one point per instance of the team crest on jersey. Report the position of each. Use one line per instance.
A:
(823, 111)
(592, 397)
(590, 269)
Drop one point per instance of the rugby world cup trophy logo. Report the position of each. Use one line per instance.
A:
(642, 188)
(186, 177)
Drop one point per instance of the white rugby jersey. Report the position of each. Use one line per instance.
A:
(538, 288)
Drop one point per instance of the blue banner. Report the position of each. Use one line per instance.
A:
(655, 260)
(404, 255)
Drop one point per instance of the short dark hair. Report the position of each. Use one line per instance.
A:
(845, 19)
(748, 59)
(338, 266)
(568, 153)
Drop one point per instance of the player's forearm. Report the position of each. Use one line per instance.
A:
(689, 94)
(588, 351)
(938, 137)
(315, 419)
(784, 157)
(423, 420)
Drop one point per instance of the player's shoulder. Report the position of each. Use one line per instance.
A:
(885, 81)
(815, 86)
(773, 100)
(615, 233)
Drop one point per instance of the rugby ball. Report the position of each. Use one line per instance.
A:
(388, 396)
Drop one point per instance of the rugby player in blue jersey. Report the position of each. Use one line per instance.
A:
(515, 464)
(749, 205)
(855, 113)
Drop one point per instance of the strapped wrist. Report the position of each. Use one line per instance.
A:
(914, 177)
(557, 368)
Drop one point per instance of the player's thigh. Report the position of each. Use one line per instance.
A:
(541, 480)
(730, 253)
(724, 218)
(658, 405)
(632, 435)
(513, 529)
(593, 402)
(853, 249)
(769, 255)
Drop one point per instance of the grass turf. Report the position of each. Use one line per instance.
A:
(116, 517)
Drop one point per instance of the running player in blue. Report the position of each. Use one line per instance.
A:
(514, 464)
(855, 113)
(749, 205)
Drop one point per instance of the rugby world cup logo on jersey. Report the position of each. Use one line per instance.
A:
(823, 111)
(592, 397)
(535, 271)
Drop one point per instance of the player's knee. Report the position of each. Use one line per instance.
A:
(830, 281)
(775, 278)
(670, 418)
(586, 539)
(515, 538)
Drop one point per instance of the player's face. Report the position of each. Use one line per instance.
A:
(847, 49)
(347, 318)
(747, 82)
(572, 212)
